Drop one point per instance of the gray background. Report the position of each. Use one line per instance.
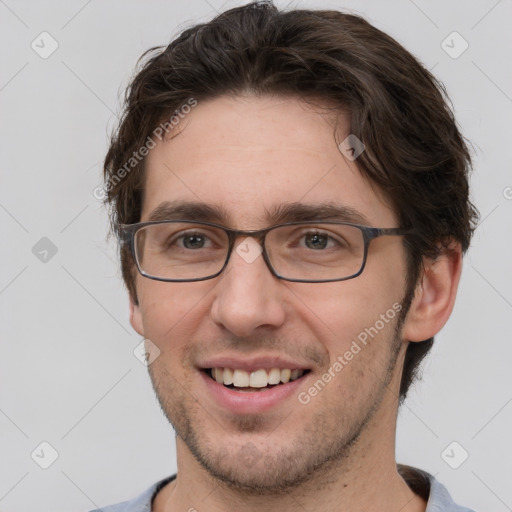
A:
(68, 373)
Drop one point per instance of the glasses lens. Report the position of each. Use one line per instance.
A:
(316, 251)
(180, 250)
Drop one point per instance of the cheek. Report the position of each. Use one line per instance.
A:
(346, 307)
(356, 326)
(169, 309)
(352, 319)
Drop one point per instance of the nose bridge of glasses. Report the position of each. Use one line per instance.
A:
(248, 244)
(238, 236)
(253, 233)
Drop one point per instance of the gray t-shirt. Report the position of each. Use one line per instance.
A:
(424, 484)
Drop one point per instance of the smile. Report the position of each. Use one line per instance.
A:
(257, 380)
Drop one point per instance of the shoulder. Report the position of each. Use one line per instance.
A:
(425, 485)
(440, 499)
(141, 503)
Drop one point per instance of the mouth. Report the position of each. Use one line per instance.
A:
(255, 381)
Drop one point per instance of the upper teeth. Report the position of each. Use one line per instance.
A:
(256, 379)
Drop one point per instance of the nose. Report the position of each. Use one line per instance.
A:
(248, 296)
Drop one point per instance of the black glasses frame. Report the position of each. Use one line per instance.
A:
(128, 232)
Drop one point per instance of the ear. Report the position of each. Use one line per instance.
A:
(434, 295)
(136, 316)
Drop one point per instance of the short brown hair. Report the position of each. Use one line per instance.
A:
(414, 152)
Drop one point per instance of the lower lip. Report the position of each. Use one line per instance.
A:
(250, 402)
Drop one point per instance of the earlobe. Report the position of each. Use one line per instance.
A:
(136, 317)
(434, 296)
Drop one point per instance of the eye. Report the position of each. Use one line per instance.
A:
(317, 241)
(178, 238)
(193, 240)
(313, 239)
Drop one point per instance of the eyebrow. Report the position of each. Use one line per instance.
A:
(189, 210)
(278, 214)
(296, 212)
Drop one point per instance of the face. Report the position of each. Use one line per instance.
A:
(248, 157)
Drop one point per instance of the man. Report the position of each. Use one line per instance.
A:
(291, 195)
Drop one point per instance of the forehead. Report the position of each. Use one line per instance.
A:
(248, 156)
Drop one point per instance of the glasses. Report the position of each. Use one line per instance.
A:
(305, 252)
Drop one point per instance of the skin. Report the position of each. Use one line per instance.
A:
(249, 154)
